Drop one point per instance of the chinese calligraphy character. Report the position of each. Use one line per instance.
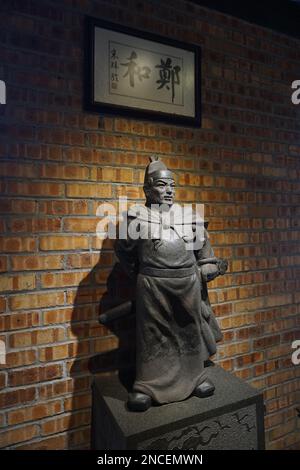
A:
(168, 75)
(113, 54)
(114, 68)
(134, 69)
(114, 59)
(114, 80)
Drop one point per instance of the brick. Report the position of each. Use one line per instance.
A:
(131, 192)
(88, 260)
(36, 336)
(122, 125)
(249, 305)
(38, 300)
(63, 207)
(20, 358)
(62, 351)
(59, 442)
(55, 389)
(20, 340)
(253, 331)
(101, 276)
(35, 225)
(282, 430)
(11, 398)
(105, 344)
(85, 295)
(279, 351)
(99, 243)
(123, 158)
(227, 364)
(80, 438)
(19, 320)
(19, 434)
(77, 224)
(275, 300)
(36, 189)
(278, 445)
(270, 394)
(111, 141)
(3, 264)
(88, 190)
(227, 295)
(91, 122)
(36, 262)
(266, 341)
(248, 359)
(79, 366)
(191, 179)
(236, 321)
(64, 387)
(53, 243)
(17, 282)
(10, 244)
(292, 441)
(117, 175)
(151, 145)
(17, 206)
(64, 279)
(34, 375)
(2, 304)
(71, 172)
(2, 380)
(243, 374)
(65, 315)
(234, 349)
(33, 413)
(78, 330)
(266, 368)
(24, 170)
(65, 422)
(76, 402)
(278, 377)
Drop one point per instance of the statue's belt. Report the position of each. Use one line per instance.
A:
(125, 308)
(166, 272)
(176, 272)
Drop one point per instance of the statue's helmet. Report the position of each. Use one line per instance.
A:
(156, 169)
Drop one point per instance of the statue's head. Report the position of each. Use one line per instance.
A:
(159, 184)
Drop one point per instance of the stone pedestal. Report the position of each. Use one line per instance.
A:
(231, 419)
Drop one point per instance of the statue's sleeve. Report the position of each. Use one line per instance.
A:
(208, 270)
(206, 251)
(127, 253)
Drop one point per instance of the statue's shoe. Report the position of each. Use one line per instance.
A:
(205, 389)
(138, 401)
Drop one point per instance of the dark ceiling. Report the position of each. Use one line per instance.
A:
(279, 15)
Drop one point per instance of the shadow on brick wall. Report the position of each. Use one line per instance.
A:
(101, 349)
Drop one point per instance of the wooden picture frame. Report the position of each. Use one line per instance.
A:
(141, 75)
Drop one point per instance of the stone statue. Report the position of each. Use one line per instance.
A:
(176, 331)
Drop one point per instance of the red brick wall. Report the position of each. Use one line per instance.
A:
(58, 162)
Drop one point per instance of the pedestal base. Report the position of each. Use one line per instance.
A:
(231, 419)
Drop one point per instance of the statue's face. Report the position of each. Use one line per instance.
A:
(162, 191)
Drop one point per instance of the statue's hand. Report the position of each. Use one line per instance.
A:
(222, 266)
(209, 271)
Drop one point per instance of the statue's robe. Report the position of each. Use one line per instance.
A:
(176, 330)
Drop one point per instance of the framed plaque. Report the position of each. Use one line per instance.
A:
(141, 75)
